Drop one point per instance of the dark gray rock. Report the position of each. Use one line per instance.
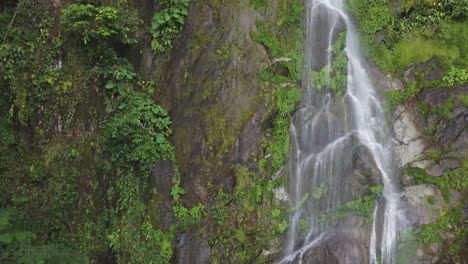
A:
(190, 249)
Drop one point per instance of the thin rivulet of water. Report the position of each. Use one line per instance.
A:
(326, 132)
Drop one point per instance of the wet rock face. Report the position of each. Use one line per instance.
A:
(408, 141)
(411, 128)
(192, 250)
(420, 127)
(452, 130)
(430, 70)
(209, 86)
(162, 179)
(423, 203)
(345, 245)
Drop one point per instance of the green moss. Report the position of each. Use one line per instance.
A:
(418, 50)
(397, 97)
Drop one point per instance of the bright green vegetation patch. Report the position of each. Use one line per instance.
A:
(452, 180)
(397, 97)
(282, 39)
(456, 77)
(335, 77)
(450, 221)
(423, 30)
(287, 101)
(167, 24)
(186, 217)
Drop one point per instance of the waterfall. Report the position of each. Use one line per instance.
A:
(332, 135)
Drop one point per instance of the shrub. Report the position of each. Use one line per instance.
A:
(91, 23)
(167, 24)
(137, 131)
(456, 77)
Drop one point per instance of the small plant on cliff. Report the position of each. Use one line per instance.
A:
(104, 22)
(186, 217)
(337, 72)
(455, 77)
(288, 98)
(167, 24)
(449, 221)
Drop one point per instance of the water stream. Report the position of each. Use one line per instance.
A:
(333, 139)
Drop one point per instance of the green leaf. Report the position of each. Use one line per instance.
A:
(110, 85)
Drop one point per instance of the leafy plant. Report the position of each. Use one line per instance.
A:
(186, 217)
(220, 209)
(287, 99)
(456, 77)
(452, 180)
(137, 131)
(397, 97)
(104, 22)
(431, 233)
(319, 192)
(267, 39)
(167, 24)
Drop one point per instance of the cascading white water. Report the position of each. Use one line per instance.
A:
(328, 133)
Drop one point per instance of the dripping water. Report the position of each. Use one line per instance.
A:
(325, 134)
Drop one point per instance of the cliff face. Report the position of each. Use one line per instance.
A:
(229, 85)
(211, 86)
(224, 114)
(431, 144)
(214, 94)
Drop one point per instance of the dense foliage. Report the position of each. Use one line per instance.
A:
(80, 137)
(17, 246)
